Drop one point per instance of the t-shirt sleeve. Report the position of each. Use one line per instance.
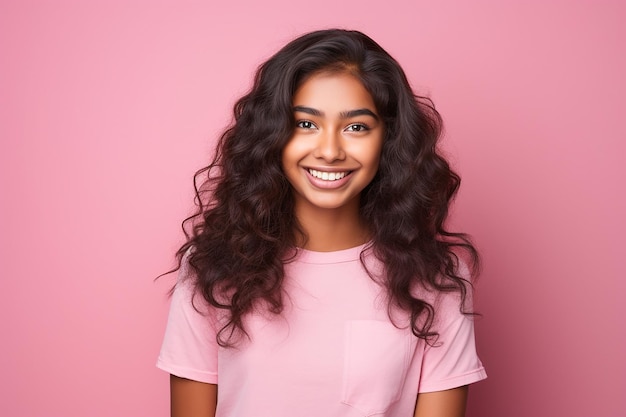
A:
(452, 360)
(189, 348)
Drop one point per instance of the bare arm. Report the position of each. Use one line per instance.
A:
(449, 403)
(192, 398)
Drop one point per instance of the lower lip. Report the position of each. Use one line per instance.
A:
(327, 185)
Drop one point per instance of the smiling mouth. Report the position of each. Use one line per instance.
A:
(328, 176)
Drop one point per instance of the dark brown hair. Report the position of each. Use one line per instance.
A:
(245, 227)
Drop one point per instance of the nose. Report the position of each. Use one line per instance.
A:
(329, 147)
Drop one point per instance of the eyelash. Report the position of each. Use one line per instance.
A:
(299, 124)
(362, 127)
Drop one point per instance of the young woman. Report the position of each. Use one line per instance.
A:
(318, 278)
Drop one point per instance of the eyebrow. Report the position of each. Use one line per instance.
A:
(343, 115)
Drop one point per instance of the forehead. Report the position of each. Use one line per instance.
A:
(333, 93)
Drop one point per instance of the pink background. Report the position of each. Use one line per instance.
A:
(107, 109)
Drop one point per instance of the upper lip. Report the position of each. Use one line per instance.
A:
(326, 169)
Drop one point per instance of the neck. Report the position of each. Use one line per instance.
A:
(328, 230)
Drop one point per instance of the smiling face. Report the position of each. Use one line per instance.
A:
(335, 148)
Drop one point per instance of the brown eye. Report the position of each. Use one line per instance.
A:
(305, 124)
(357, 127)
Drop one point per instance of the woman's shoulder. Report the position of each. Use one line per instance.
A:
(450, 297)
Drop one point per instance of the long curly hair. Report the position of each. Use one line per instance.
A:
(245, 228)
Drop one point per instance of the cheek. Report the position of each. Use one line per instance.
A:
(377, 152)
(293, 152)
(368, 156)
(285, 155)
(289, 161)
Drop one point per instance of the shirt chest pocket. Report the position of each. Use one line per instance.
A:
(376, 361)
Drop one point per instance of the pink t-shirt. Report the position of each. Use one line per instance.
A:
(333, 352)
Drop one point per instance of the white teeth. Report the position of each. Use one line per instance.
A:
(328, 176)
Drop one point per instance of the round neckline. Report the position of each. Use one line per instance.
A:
(343, 255)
